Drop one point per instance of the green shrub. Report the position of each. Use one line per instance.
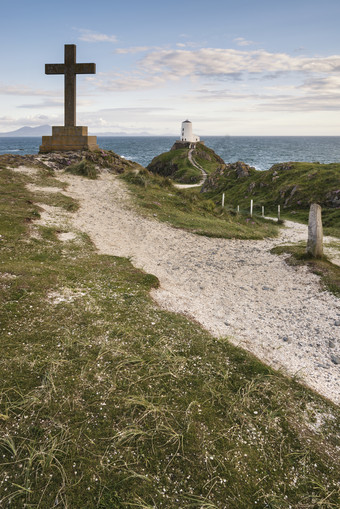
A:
(84, 168)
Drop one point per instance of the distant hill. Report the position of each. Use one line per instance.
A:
(41, 130)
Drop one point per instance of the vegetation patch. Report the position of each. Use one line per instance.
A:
(106, 401)
(176, 165)
(84, 168)
(329, 272)
(192, 211)
(293, 186)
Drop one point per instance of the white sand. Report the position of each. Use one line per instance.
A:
(232, 287)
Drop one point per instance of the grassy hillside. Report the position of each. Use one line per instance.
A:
(292, 185)
(106, 401)
(192, 211)
(176, 165)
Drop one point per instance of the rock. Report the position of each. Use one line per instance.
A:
(315, 233)
(335, 359)
(337, 323)
(332, 199)
(293, 191)
(242, 169)
(281, 167)
(324, 366)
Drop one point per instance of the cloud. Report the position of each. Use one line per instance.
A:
(160, 66)
(307, 103)
(218, 95)
(218, 62)
(90, 36)
(52, 104)
(322, 84)
(240, 41)
(23, 90)
(306, 98)
(132, 82)
(128, 118)
(129, 113)
(135, 49)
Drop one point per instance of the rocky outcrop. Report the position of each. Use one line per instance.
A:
(241, 168)
(102, 160)
(281, 167)
(232, 171)
(182, 144)
(164, 168)
(332, 199)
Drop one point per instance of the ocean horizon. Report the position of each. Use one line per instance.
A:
(258, 151)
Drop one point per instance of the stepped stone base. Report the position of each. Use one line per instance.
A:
(68, 138)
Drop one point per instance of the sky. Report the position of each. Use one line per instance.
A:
(238, 68)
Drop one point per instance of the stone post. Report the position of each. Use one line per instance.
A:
(315, 233)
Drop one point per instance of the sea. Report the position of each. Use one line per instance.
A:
(258, 151)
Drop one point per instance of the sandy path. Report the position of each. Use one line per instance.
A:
(232, 287)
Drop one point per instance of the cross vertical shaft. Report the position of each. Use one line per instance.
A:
(70, 85)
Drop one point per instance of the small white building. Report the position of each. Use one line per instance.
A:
(186, 132)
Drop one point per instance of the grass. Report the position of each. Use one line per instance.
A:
(175, 164)
(293, 186)
(107, 401)
(207, 158)
(330, 273)
(190, 210)
(85, 168)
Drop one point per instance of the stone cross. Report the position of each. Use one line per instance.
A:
(315, 233)
(70, 69)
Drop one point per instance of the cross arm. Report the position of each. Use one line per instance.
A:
(54, 68)
(85, 68)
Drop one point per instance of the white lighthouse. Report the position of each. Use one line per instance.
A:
(186, 132)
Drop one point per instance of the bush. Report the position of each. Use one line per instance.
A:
(85, 168)
(209, 205)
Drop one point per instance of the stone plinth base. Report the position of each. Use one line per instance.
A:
(68, 138)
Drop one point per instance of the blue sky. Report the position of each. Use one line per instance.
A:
(246, 67)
